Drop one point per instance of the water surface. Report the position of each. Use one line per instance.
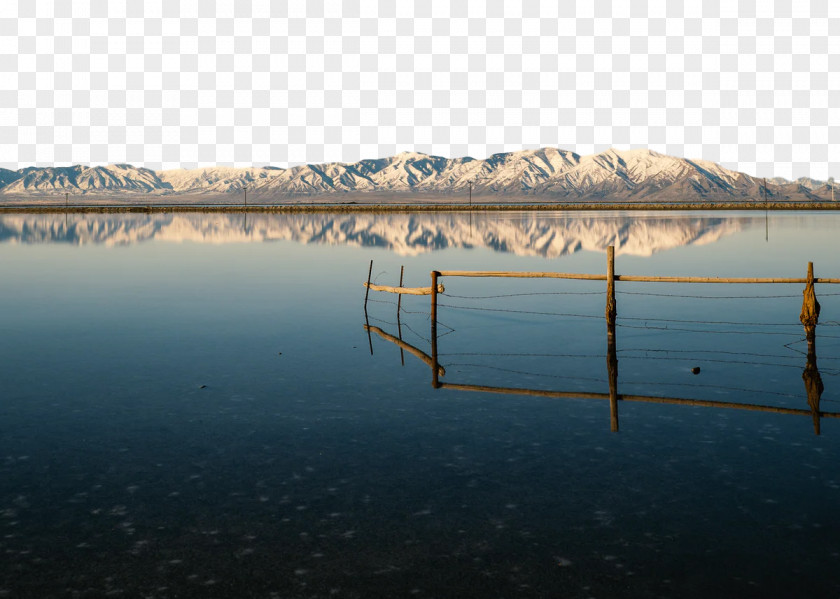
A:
(190, 407)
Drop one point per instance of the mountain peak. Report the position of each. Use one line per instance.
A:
(634, 153)
(410, 154)
(636, 174)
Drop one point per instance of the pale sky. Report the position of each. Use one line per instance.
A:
(184, 84)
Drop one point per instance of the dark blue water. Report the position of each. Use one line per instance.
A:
(190, 407)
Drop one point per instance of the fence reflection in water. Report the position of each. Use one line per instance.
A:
(814, 386)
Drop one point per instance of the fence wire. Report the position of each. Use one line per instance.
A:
(487, 303)
(750, 297)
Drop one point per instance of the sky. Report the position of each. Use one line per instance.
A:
(754, 86)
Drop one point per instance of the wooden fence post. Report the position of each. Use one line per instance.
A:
(809, 316)
(612, 359)
(611, 309)
(433, 318)
(399, 296)
(367, 323)
(399, 323)
(367, 287)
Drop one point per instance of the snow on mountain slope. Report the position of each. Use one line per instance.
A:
(80, 179)
(551, 172)
(644, 173)
(222, 179)
(77, 179)
(405, 234)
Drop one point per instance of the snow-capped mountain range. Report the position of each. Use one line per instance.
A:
(404, 234)
(549, 173)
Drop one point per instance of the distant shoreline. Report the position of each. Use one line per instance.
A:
(424, 207)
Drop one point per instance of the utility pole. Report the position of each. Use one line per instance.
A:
(831, 182)
(470, 194)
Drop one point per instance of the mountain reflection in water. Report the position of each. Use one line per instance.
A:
(529, 234)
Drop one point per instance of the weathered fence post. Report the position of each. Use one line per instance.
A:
(612, 359)
(399, 324)
(610, 310)
(809, 317)
(399, 295)
(810, 313)
(433, 318)
(367, 287)
(367, 322)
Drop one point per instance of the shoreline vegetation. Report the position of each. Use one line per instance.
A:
(414, 207)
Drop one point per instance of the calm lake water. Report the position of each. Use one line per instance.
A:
(191, 407)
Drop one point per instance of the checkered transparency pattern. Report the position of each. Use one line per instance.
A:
(168, 84)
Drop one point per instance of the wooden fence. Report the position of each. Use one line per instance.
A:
(809, 316)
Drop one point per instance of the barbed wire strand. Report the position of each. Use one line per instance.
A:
(715, 351)
(687, 321)
(522, 294)
(692, 296)
(509, 310)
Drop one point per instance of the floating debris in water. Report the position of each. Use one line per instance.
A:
(695, 370)
(202, 387)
